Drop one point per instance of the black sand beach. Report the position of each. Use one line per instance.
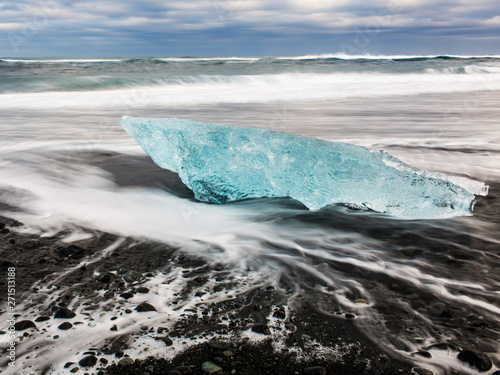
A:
(100, 273)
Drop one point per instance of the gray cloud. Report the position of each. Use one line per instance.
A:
(218, 27)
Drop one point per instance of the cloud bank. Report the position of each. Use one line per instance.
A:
(247, 27)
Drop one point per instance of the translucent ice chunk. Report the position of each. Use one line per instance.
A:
(222, 163)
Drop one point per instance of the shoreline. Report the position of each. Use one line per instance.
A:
(236, 331)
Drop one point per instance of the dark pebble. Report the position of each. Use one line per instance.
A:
(114, 328)
(127, 295)
(69, 364)
(279, 314)
(447, 313)
(64, 314)
(476, 359)
(104, 361)
(167, 340)
(65, 326)
(126, 361)
(350, 316)
(142, 290)
(143, 307)
(24, 324)
(132, 276)
(88, 361)
(109, 294)
(315, 370)
(262, 329)
(218, 344)
(12, 241)
(106, 279)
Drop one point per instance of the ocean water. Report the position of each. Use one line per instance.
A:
(66, 164)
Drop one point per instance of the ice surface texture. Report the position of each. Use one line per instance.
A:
(222, 163)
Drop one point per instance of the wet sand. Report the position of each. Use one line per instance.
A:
(279, 327)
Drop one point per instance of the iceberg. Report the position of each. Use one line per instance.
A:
(222, 163)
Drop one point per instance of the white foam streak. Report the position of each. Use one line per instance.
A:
(289, 87)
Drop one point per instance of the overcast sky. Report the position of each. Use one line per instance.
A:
(247, 27)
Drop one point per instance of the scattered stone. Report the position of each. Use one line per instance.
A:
(31, 244)
(74, 369)
(65, 326)
(210, 368)
(476, 359)
(167, 340)
(106, 278)
(42, 318)
(68, 364)
(315, 370)
(263, 329)
(218, 344)
(132, 276)
(125, 361)
(350, 316)
(162, 329)
(114, 328)
(127, 295)
(109, 294)
(12, 241)
(24, 324)
(143, 307)
(279, 314)
(142, 290)
(64, 314)
(228, 353)
(88, 361)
